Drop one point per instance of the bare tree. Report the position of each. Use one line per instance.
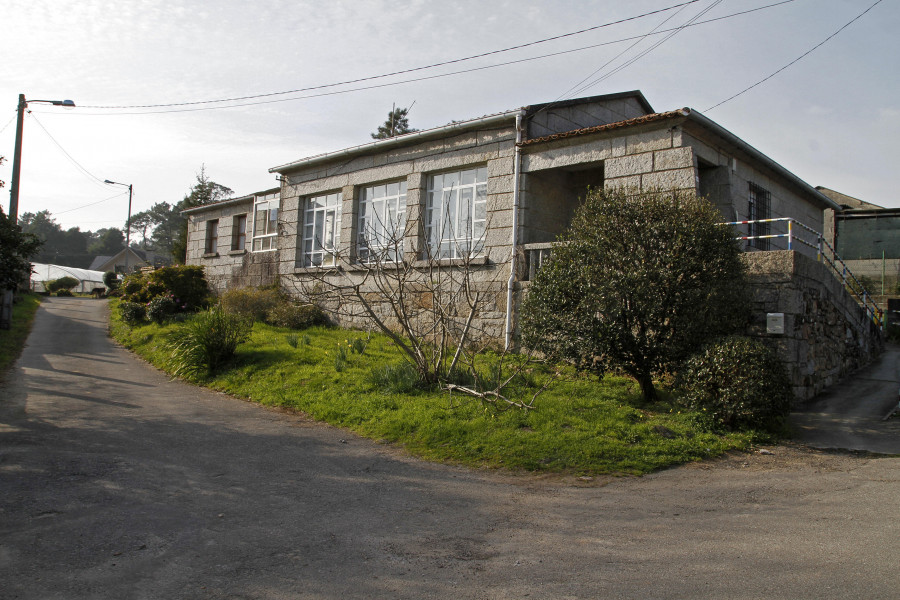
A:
(430, 303)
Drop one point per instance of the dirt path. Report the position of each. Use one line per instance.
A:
(118, 483)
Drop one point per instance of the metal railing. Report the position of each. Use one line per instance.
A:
(796, 234)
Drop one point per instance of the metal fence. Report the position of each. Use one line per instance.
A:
(798, 234)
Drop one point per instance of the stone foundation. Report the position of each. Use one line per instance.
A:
(827, 336)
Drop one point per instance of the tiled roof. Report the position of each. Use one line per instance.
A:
(672, 114)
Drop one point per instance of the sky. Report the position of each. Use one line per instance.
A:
(832, 117)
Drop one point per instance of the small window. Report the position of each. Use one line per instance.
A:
(382, 222)
(321, 229)
(456, 213)
(212, 236)
(239, 232)
(265, 222)
(758, 209)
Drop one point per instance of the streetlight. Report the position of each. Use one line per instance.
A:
(6, 296)
(17, 153)
(127, 223)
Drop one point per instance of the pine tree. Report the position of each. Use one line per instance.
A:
(396, 124)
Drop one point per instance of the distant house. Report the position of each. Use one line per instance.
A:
(867, 237)
(136, 259)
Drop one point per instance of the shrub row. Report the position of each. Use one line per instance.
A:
(271, 306)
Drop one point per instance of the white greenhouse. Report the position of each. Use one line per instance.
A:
(88, 280)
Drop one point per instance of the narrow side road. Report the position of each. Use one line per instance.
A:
(118, 483)
(851, 415)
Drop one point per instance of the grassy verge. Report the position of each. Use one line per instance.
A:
(13, 340)
(580, 426)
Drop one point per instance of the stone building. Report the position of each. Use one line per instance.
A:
(492, 192)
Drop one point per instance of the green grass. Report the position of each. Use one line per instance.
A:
(580, 426)
(13, 340)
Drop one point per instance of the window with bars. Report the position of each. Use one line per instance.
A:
(265, 222)
(212, 236)
(456, 213)
(239, 232)
(321, 229)
(382, 222)
(758, 208)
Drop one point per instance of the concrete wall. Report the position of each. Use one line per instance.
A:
(827, 335)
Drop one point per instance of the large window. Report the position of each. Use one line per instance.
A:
(382, 222)
(212, 236)
(239, 232)
(456, 213)
(265, 222)
(758, 208)
(321, 229)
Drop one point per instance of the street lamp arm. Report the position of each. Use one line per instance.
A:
(17, 150)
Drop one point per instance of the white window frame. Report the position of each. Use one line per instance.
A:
(381, 222)
(321, 234)
(456, 213)
(265, 223)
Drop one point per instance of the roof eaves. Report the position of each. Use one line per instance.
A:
(400, 140)
(651, 118)
(221, 203)
(734, 140)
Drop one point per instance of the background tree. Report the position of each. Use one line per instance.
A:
(641, 280)
(59, 247)
(107, 242)
(205, 191)
(397, 123)
(16, 248)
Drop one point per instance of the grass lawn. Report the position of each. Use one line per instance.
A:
(13, 340)
(580, 426)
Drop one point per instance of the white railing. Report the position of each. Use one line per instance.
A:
(796, 234)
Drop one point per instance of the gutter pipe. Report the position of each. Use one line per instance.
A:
(511, 284)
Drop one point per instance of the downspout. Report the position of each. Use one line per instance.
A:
(511, 284)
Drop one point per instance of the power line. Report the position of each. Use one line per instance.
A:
(426, 78)
(405, 71)
(571, 90)
(763, 80)
(84, 171)
(120, 194)
(656, 45)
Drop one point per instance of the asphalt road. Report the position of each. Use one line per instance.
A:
(852, 415)
(118, 483)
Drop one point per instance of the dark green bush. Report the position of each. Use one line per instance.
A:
(63, 283)
(133, 313)
(739, 382)
(64, 293)
(296, 316)
(253, 303)
(207, 341)
(186, 284)
(161, 308)
(111, 280)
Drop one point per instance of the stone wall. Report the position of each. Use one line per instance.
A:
(827, 336)
(230, 266)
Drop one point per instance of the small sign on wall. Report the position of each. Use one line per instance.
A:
(775, 323)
